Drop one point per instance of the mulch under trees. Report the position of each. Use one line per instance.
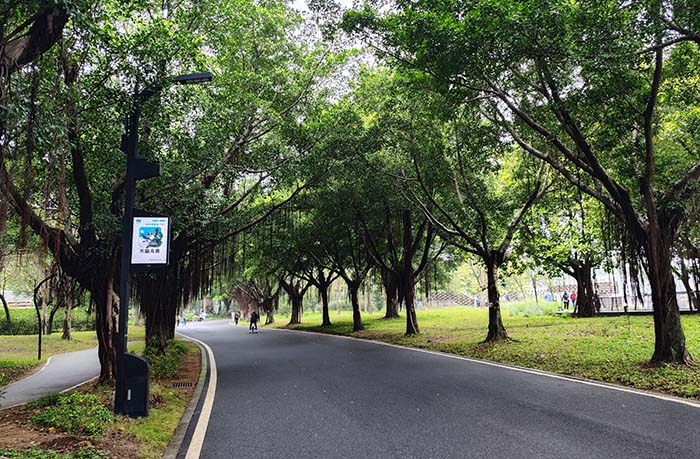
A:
(16, 432)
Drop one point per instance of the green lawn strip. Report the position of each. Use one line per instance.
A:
(152, 433)
(137, 332)
(18, 356)
(155, 431)
(603, 348)
(167, 405)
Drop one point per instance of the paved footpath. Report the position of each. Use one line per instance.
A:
(61, 372)
(301, 395)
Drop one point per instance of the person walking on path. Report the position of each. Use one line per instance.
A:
(236, 317)
(254, 317)
(565, 300)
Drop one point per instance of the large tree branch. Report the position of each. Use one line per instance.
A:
(55, 238)
(371, 247)
(687, 33)
(559, 167)
(513, 225)
(46, 29)
(647, 183)
(87, 230)
(455, 230)
(429, 238)
(680, 187)
(269, 212)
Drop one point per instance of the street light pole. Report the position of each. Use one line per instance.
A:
(136, 168)
(125, 275)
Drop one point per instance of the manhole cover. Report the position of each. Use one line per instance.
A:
(181, 384)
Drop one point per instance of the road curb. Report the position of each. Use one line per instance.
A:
(533, 371)
(178, 438)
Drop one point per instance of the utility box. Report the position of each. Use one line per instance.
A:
(137, 388)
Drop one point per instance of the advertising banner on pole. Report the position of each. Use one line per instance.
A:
(150, 240)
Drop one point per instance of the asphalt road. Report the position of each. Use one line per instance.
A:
(61, 372)
(299, 395)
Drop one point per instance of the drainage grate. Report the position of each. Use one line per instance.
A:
(181, 384)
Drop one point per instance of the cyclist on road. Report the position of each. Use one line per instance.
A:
(254, 318)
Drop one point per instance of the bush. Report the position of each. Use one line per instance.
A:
(24, 321)
(85, 453)
(50, 399)
(531, 308)
(164, 366)
(76, 413)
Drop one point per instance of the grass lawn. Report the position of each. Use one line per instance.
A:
(608, 349)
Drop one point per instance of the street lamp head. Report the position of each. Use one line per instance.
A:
(193, 78)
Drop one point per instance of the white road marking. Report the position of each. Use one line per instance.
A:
(587, 382)
(199, 432)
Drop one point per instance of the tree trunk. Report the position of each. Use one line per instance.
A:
(670, 341)
(354, 300)
(104, 298)
(584, 291)
(497, 331)
(67, 319)
(157, 299)
(323, 290)
(368, 298)
(296, 308)
(696, 282)
(533, 279)
(270, 316)
(409, 290)
(138, 316)
(685, 278)
(7, 314)
(52, 314)
(426, 291)
(391, 290)
(44, 307)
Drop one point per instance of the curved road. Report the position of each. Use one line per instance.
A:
(291, 395)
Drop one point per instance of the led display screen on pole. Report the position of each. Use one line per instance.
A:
(150, 240)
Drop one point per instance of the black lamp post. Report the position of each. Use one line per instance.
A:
(136, 169)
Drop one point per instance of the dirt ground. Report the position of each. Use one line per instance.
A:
(17, 433)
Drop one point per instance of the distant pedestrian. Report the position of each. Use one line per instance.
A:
(478, 302)
(565, 301)
(184, 319)
(236, 317)
(573, 299)
(254, 318)
(596, 302)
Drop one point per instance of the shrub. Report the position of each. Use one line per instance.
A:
(50, 399)
(76, 413)
(85, 453)
(531, 308)
(24, 321)
(165, 365)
